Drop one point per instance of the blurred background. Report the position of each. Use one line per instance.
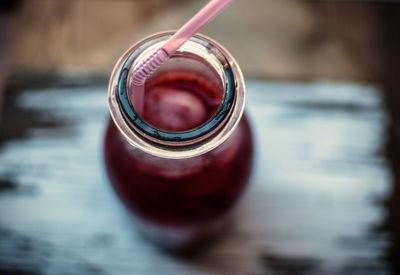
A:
(272, 39)
(325, 68)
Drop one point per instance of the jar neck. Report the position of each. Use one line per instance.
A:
(203, 57)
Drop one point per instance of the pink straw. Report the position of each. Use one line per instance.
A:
(155, 60)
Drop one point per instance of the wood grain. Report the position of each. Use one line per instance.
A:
(310, 209)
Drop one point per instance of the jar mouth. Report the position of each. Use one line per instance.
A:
(149, 131)
(177, 144)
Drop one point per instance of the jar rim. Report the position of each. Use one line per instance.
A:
(183, 143)
(140, 124)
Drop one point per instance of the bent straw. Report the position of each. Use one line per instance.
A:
(156, 59)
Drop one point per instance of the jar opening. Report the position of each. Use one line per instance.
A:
(199, 85)
(203, 59)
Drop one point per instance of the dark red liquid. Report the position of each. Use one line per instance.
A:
(180, 101)
(185, 191)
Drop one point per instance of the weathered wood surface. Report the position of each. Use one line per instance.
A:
(312, 207)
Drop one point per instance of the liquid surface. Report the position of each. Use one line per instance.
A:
(180, 101)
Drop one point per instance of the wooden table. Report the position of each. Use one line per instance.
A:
(312, 207)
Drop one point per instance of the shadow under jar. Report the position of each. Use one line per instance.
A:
(181, 166)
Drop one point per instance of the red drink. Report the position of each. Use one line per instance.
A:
(187, 191)
(181, 167)
(180, 101)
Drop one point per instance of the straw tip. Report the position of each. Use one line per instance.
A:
(149, 66)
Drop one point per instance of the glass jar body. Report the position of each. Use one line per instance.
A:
(180, 201)
(180, 167)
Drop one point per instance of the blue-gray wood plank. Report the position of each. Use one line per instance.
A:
(311, 207)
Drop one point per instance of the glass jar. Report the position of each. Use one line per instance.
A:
(179, 169)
